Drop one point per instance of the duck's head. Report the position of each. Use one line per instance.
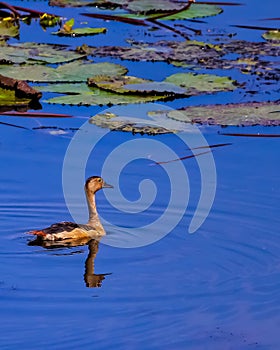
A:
(95, 183)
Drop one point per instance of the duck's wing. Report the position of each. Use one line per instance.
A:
(59, 227)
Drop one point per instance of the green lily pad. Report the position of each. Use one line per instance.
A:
(68, 30)
(153, 9)
(134, 85)
(76, 71)
(80, 32)
(252, 113)
(114, 122)
(202, 83)
(147, 7)
(195, 11)
(272, 35)
(83, 95)
(33, 53)
(8, 28)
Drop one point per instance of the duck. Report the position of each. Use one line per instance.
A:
(68, 231)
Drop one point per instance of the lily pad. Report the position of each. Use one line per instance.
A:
(81, 32)
(252, 113)
(195, 11)
(147, 7)
(116, 123)
(33, 53)
(201, 83)
(134, 85)
(272, 35)
(83, 95)
(155, 8)
(68, 30)
(77, 71)
(9, 28)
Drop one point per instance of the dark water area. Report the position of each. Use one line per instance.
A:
(217, 288)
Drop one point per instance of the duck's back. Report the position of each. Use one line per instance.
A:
(66, 230)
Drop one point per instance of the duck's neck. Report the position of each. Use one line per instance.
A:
(93, 219)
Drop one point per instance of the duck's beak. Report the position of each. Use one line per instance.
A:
(105, 185)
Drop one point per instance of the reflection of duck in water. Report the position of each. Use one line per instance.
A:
(91, 279)
(72, 231)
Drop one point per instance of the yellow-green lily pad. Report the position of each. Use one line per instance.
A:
(9, 28)
(272, 35)
(9, 100)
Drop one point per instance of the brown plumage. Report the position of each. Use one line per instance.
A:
(70, 230)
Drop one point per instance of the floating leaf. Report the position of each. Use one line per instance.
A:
(8, 28)
(83, 95)
(152, 10)
(116, 123)
(272, 35)
(201, 83)
(148, 7)
(77, 71)
(134, 85)
(81, 32)
(251, 113)
(33, 53)
(195, 11)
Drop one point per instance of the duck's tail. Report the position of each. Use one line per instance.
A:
(37, 233)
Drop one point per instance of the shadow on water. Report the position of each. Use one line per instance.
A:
(91, 279)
